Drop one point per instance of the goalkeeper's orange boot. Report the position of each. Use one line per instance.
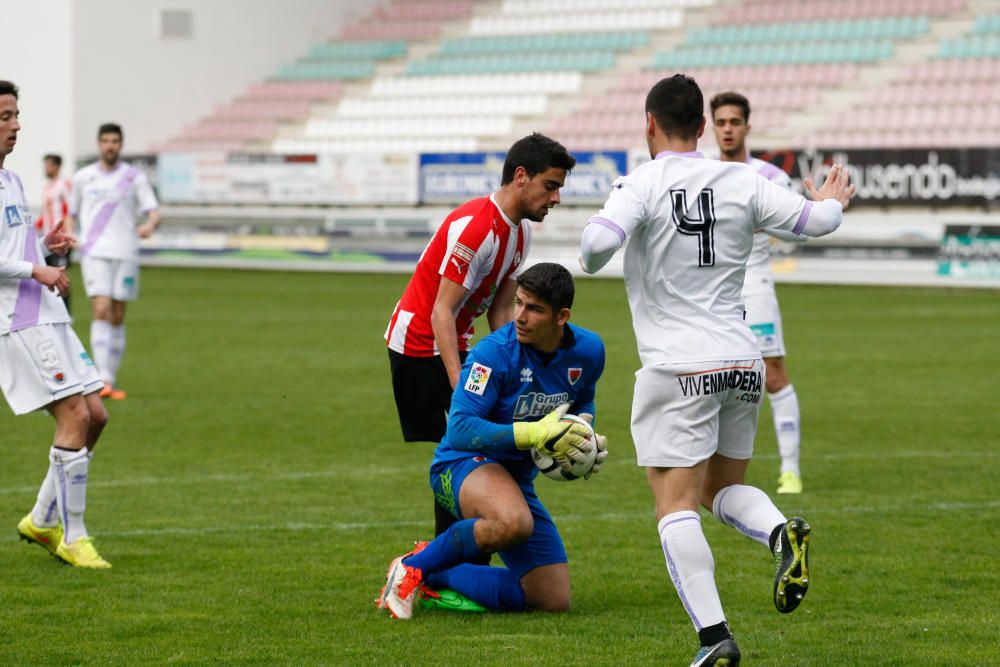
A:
(401, 585)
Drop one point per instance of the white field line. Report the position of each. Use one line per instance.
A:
(560, 518)
(369, 471)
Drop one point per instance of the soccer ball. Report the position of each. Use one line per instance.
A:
(551, 469)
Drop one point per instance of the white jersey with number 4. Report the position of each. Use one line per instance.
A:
(690, 225)
(106, 204)
(759, 276)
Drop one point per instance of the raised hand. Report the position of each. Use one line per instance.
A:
(837, 186)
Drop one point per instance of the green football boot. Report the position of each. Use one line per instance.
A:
(448, 600)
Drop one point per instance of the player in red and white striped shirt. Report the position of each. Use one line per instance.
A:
(467, 270)
(55, 208)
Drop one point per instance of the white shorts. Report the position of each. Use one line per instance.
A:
(43, 364)
(764, 319)
(682, 414)
(116, 278)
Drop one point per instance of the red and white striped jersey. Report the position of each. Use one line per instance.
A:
(55, 204)
(477, 247)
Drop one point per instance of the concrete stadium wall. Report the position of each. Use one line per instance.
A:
(36, 52)
(81, 63)
(124, 71)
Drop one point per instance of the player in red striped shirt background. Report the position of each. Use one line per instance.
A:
(467, 270)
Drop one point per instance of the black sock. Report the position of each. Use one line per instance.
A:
(775, 534)
(714, 634)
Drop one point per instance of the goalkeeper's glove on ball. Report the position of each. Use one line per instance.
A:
(562, 440)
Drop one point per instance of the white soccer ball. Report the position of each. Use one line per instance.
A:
(551, 469)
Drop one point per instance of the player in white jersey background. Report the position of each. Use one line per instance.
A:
(55, 208)
(689, 225)
(731, 124)
(43, 365)
(107, 196)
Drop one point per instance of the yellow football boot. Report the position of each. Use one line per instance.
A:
(47, 538)
(82, 553)
(789, 483)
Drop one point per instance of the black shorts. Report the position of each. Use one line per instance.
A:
(423, 395)
(58, 260)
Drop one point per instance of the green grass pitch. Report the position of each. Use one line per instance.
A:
(254, 487)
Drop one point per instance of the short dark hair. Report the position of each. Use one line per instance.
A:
(8, 88)
(677, 105)
(535, 153)
(110, 128)
(730, 98)
(551, 283)
(53, 158)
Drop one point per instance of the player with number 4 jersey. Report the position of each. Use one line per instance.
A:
(689, 225)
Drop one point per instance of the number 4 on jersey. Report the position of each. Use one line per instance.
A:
(702, 226)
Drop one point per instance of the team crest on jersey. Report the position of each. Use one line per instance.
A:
(461, 257)
(12, 215)
(479, 377)
(574, 374)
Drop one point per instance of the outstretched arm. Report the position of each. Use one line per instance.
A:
(600, 241)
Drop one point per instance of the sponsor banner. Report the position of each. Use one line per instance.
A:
(970, 251)
(453, 178)
(886, 177)
(265, 178)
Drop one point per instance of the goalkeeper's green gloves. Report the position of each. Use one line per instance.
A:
(562, 440)
(602, 447)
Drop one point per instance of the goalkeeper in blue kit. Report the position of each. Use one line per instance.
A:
(515, 386)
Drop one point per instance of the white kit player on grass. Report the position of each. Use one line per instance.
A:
(731, 124)
(689, 225)
(105, 200)
(43, 365)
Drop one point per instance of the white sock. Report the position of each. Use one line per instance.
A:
(70, 472)
(116, 350)
(748, 510)
(45, 513)
(691, 567)
(100, 346)
(785, 408)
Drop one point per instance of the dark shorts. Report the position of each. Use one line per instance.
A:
(423, 395)
(57, 260)
(544, 547)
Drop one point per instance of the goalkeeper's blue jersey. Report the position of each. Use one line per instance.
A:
(503, 381)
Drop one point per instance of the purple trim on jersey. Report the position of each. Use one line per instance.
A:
(103, 216)
(663, 154)
(803, 218)
(770, 171)
(675, 577)
(29, 292)
(604, 222)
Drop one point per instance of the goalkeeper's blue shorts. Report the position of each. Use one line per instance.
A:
(544, 547)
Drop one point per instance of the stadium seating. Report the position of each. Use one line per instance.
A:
(950, 101)
(485, 71)
(767, 11)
